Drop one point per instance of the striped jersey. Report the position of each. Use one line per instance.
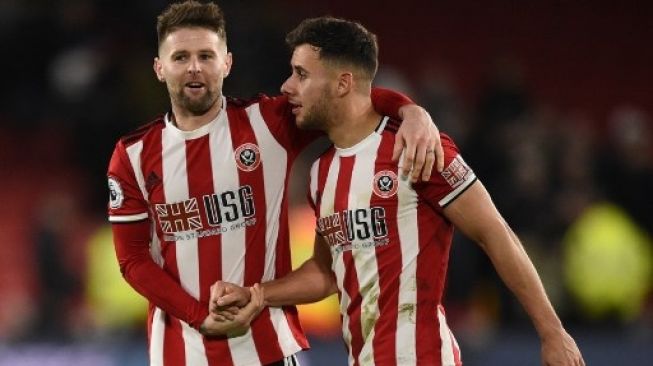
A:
(390, 246)
(215, 203)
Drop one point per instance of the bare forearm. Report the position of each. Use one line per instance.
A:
(309, 283)
(476, 216)
(518, 273)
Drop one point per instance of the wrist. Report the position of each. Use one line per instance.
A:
(265, 289)
(550, 330)
(409, 110)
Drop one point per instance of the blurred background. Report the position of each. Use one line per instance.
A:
(551, 103)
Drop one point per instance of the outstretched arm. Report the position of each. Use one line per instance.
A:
(476, 216)
(311, 282)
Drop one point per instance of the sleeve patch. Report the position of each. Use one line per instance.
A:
(116, 196)
(457, 172)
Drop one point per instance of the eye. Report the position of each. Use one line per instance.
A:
(206, 56)
(301, 75)
(179, 57)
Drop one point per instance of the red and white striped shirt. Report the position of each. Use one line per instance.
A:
(390, 246)
(191, 208)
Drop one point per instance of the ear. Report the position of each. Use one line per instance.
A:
(228, 62)
(158, 70)
(345, 83)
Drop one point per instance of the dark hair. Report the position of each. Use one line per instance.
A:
(338, 40)
(191, 13)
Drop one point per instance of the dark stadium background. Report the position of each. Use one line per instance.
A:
(551, 103)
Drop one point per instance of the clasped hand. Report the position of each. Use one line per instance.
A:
(232, 309)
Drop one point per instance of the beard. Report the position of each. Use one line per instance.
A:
(318, 116)
(196, 106)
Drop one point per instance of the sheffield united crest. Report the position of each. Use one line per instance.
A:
(385, 183)
(247, 157)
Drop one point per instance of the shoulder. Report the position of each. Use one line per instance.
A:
(448, 145)
(138, 134)
(392, 126)
(276, 111)
(447, 140)
(263, 99)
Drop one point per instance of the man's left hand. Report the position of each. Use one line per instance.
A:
(561, 350)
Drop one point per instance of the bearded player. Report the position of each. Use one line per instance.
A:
(383, 243)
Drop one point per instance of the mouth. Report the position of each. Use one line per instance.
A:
(195, 86)
(295, 108)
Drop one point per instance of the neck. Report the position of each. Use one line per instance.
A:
(186, 121)
(356, 119)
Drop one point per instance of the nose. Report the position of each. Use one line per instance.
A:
(285, 87)
(194, 66)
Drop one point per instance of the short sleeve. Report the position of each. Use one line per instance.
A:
(388, 102)
(456, 177)
(126, 201)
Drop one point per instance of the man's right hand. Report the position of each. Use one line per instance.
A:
(237, 322)
(225, 295)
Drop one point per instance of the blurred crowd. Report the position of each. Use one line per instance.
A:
(562, 138)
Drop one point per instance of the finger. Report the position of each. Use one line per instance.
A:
(255, 297)
(260, 296)
(232, 309)
(428, 166)
(248, 312)
(218, 317)
(214, 308)
(398, 148)
(227, 315)
(231, 299)
(420, 159)
(217, 290)
(407, 163)
(224, 310)
(256, 300)
(439, 153)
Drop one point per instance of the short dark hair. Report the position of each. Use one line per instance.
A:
(338, 40)
(191, 13)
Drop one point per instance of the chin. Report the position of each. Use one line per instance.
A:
(301, 123)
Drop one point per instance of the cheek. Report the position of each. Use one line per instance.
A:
(170, 73)
(307, 89)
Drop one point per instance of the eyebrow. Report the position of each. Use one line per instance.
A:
(206, 50)
(299, 68)
(182, 51)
